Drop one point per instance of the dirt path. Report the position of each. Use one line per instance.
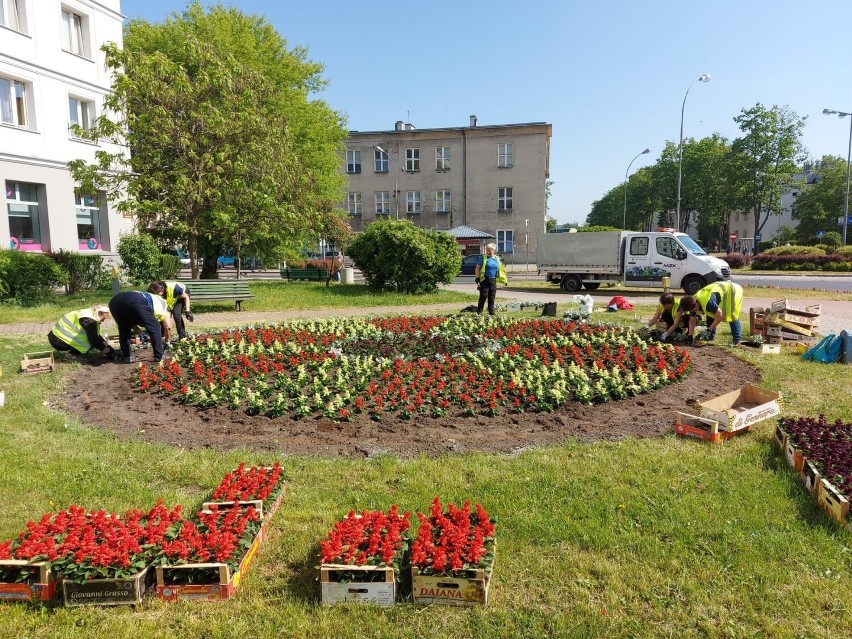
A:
(103, 397)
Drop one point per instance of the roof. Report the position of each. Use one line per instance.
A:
(478, 127)
(469, 233)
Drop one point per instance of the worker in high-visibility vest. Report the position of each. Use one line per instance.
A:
(718, 302)
(78, 332)
(666, 313)
(148, 310)
(177, 301)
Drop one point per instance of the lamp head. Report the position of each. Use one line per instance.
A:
(828, 112)
(380, 149)
(646, 151)
(704, 77)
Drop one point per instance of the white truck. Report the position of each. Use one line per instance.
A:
(632, 258)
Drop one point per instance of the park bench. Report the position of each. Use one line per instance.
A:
(218, 290)
(304, 274)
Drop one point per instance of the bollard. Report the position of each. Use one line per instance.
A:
(347, 275)
(666, 282)
(116, 285)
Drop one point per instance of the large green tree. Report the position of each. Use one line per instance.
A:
(820, 204)
(765, 158)
(227, 150)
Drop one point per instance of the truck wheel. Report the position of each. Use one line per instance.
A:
(571, 283)
(693, 284)
(591, 286)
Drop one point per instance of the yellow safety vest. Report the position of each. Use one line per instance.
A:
(68, 329)
(731, 301)
(171, 298)
(159, 307)
(501, 273)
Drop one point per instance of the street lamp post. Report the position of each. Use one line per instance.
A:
(841, 114)
(395, 186)
(704, 77)
(624, 219)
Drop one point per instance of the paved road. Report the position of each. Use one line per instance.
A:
(806, 282)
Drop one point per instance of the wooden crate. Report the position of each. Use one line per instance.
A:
(795, 457)
(811, 476)
(756, 323)
(464, 588)
(37, 362)
(180, 582)
(780, 439)
(774, 319)
(707, 430)
(365, 584)
(834, 503)
(267, 513)
(812, 310)
(228, 505)
(800, 320)
(41, 587)
(108, 592)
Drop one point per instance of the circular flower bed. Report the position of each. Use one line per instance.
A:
(410, 366)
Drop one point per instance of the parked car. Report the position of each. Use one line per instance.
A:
(224, 260)
(248, 262)
(181, 254)
(469, 263)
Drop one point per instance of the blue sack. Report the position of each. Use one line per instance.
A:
(827, 350)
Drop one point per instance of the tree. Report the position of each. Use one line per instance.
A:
(396, 255)
(550, 224)
(765, 158)
(227, 152)
(820, 204)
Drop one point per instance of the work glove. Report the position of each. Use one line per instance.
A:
(664, 338)
(190, 317)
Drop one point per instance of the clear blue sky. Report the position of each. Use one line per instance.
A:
(610, 75)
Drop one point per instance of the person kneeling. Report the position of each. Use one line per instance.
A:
(78, 332)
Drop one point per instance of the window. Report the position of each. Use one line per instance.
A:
(505, 241)
(75, 36)
(443, 203)
(505, 156)
(81, 114)
(381, 160)
(412, 159)
(412, 202)
(382, 203)
(88, 210)
(13, 103)
(22, 199)
(639, 245)
(354, 204)
(504, 198)
(442, 158)
(668, 247)
(12, 15)
(353, 161)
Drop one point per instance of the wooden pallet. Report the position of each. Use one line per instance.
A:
(800, 320)
(812, 310)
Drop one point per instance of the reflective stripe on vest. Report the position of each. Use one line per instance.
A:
(68, 329)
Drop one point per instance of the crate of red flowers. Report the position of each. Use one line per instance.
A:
(264, 487)
(207, 558)
(22, 580)
(453, 555)
(361, 557)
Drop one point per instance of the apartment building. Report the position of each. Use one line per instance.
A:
(52, 75)
(488, 178)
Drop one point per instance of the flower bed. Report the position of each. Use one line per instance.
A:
(407, 366)
(453, 555)
(822, 453)
(362, 555)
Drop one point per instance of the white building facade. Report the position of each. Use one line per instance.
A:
(52, 75)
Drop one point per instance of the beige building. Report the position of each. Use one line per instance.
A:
(489, 178)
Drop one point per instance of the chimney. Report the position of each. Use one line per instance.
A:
(398, 125)
(409, 126)
(473, 120)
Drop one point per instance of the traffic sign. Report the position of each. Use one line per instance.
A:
(821, 233)
(733, 236)
(757, 237)
(848, 220)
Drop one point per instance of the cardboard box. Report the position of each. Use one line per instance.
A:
(175, 583)
(466, 588)
(742, 408)
(780, 439)
(812, 310)
(364, 584)
(770, 349)
(773, 331)
(37, 362)
(795, 457)
(222, 506)
(800, 320)
(811, 476)
(43, 586)
(108, 592)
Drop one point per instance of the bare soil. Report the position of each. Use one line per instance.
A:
(102, 395)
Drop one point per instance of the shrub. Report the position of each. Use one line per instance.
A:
(169, 267)
(832, 240)
(738, 260)
(795, 249)
(764, 246)
(845, 251)
(396, 255)
(83, 270)
(141, 259)
(29, 278)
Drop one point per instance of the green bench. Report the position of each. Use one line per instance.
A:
(218, 290)
(304, 274)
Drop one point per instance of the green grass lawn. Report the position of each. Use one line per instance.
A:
(662, 537)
